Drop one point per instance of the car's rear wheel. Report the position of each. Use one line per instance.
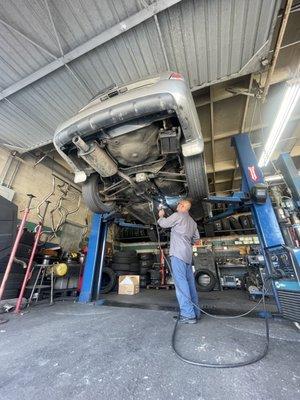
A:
(92, 198)
(197, 183)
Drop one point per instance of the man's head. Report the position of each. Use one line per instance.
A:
(184, 205)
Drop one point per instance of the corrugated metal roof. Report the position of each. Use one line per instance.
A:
(207, 40)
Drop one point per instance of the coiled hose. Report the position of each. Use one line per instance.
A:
(216, 365)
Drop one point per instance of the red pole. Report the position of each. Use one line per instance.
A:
(15, 246)
(30, 262)
(162, 267)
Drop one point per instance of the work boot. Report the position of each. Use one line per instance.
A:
(186, 320)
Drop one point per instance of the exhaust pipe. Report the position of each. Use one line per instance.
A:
(95, 157)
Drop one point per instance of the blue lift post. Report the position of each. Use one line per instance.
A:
(91, 283)
(282, 263)
(265, 220)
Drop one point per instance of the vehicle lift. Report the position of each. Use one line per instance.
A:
(281, 262)
(94, 263)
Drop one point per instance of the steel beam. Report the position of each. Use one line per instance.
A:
(28, 39)
(291, 175)
(229, 134)
(243, 126)
(212, 133)
(110, 33)
(281, 33)
(69, 69)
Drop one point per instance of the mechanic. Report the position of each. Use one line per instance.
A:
(184, 233)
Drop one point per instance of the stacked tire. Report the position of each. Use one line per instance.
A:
(17, 273)
(123, 263)
(108, 280)
(146, 262)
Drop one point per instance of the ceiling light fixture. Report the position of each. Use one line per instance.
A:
(287, 106)
(273, 178)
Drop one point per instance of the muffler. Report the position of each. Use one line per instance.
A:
(95, 157)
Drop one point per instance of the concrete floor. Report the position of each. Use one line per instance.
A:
(218, 302)
(73, 351)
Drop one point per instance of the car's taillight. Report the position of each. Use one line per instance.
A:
(176, 75)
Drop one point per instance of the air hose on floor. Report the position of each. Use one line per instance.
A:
(216, 365)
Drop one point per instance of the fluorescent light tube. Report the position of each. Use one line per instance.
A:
(273, 178)
(287, 106)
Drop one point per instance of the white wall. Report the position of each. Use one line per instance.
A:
(37, 180)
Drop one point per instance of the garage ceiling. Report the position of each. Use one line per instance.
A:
(57, 55)
(77, 48)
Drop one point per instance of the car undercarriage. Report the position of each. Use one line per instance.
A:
(145, 146)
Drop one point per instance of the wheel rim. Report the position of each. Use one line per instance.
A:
(204, 280)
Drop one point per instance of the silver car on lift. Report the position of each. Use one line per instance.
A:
(135, 143)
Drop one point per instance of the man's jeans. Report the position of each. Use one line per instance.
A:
(185, 288)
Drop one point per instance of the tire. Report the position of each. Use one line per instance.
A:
(235, 225)
(14, 281)
(146, 256)
(12, 286)
(226, 226)
(119, 273)
(91, 195)
(196, 178)
(10, 294)
(244, 221)
(251, 224)
(125, 260)
(154, 274)
(16, 268)
(144, 270)
(146, 263)
(217, 226)
(125, 253)
(108, 280)
(205, 280)
(209, 230)
(244, 282)
(152, 235)
(143, 281)
(28, 238)
(125, 267)
(24, 252)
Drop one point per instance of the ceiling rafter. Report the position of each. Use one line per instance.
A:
(27, 38)
(229, 134)
(160, 36)
(212, 135)
(280, 75)
(69, 69)
(162, 42)
(98, 40)
(243, 125)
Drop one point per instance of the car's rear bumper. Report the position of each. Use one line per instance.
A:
(163, 98)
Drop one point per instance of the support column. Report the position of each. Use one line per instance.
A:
(92, 271)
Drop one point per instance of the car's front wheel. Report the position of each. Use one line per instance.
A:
(92, 197)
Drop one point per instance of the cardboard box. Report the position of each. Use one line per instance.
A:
(129, 284)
